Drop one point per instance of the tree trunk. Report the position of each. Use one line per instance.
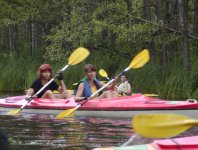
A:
(146, 8)
(195, 27)
(183, 27)
(129, 21)
(159, 17)
(129, 8)
(147, 14)
(173, 48)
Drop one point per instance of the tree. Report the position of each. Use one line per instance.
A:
(183, 25)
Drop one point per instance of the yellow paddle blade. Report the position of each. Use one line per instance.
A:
(66, 114)
(56, 92)
(14, 112)
(140, 59)
(161, 125)
(75, 83)
(151, 95)
(103, 73)
(78, 55)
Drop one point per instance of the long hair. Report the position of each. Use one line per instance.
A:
(44, 67)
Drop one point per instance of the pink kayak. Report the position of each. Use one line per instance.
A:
(121, 107)
(186, 143)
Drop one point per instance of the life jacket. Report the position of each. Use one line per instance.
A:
(87, 90)
(123, 87)
(126, 83)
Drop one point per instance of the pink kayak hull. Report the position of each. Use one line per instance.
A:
(134, 103)
(185, 143)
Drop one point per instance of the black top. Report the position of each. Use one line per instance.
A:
(37, 85)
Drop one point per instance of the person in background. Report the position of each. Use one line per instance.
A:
(44, 75)
(89, 85)
(125, 87)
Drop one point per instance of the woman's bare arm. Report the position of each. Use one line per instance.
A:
(112, 86)
(129, 87)
(62, 87)
(30, 92)
(79, 93)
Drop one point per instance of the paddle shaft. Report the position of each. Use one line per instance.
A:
(48, 83)
(183, 123)
(107, 78)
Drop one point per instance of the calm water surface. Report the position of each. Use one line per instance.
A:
(35, 132)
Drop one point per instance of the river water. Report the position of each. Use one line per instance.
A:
(35, 132)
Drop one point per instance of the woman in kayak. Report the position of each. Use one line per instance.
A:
(44, 75)
(89, 85)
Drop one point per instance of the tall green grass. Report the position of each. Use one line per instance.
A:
(14, 73)
(17, 74)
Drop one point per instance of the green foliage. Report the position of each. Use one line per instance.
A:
(14, 73)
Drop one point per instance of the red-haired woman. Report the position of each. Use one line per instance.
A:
(90, 85)
(44, 75)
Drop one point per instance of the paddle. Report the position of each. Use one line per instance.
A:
(140, 60)
(103, 73)
(76, 57)
(161, 125)
(151, 95)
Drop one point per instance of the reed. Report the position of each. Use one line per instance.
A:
(171, 82)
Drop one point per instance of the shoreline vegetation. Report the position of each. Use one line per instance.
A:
(36, 32)
(173, 83)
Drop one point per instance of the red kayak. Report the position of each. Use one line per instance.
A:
(186, 143)
(121, 107)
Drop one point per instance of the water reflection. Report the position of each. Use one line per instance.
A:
(44, 132)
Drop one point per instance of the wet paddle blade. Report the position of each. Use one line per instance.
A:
(14, 112)
(78, 55)
(140, 59)
(161, 125)
(151, 95)
(103, 73)
(66, 114)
